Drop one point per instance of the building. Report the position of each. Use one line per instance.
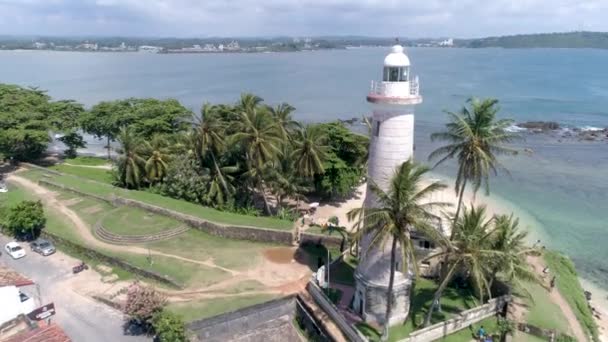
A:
(392, 143)
(149, 49)
(14, 300)
(232, 46)
(447, 43)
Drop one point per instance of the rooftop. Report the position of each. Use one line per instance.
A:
(10, 277)
(41, 333)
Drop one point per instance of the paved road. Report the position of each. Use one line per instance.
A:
(82, 318)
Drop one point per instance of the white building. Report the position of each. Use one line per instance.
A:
(149, 49)
(232, 46)
(14, 301)
(392, 143)
(447, 43)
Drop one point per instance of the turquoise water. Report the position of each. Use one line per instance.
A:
(562, 186)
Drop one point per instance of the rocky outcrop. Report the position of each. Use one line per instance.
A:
(539, 126)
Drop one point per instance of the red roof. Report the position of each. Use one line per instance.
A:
(10, 277)
(44, 333)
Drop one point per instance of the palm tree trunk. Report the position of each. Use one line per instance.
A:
(389, 298)
(108, 146)
(458, 206)
(438, 294)
(266, 205)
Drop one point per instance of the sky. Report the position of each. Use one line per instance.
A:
(388, 18)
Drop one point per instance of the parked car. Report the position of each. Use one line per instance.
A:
(14, 250)
(42, 247)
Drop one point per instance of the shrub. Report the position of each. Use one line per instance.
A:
(143, 303)
(25, 220)
(169, 327)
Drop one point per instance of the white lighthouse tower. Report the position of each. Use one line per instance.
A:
(392, 143)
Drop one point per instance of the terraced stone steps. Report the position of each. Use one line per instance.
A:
(117, 239)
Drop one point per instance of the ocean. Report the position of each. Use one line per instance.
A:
(560, 190)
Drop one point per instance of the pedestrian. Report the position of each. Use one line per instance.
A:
(552, 283)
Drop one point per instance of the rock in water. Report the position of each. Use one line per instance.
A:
(539, 125)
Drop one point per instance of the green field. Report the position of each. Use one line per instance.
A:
(200, 309)
(188, 208)
(569, 286)
(99, 175)
(132, 221)
(88, 161)
(542, 312)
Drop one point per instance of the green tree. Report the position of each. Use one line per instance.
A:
(156, 164)
(130, 162)
(73, 141)
(475, 137)
(27, 116)
(345, 160)
(469, 252)
(282, 116)
(512, 266)
(309, 151)
(26, 219)
(404, 206)
(169, 327)
(259, 137)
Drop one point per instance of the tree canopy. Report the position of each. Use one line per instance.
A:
(27, 115)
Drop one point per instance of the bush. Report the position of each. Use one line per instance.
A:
(169, 327)
(142, 304)
(73, 141)
(25, 220)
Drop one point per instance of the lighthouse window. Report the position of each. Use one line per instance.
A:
(404, 74)
(377, 129)
(394, 75)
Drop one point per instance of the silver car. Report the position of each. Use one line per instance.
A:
(42, 247)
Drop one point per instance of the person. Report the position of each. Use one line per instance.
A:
(552, 282)
(481, 333)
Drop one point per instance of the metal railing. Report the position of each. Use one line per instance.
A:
(379, 87)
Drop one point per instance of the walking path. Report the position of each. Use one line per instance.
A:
(280, 278)
(104, 167)
(557, 298)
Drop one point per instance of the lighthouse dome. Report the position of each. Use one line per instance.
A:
(396, 58)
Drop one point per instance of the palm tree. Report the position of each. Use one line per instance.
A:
(310, 151)
(156, 165)
(512, 266)
(475, 138)
(402, 208)
(259, 136)
(282, 115)
(130, 161)
(470, 251)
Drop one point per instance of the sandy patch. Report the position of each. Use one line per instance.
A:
(71, 202)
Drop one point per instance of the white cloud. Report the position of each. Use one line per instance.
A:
(414, 18)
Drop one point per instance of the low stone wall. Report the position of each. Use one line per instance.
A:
(40, 168)
(350, 332)
(62, 187)
(270, 321)
(106, 259)
(326, 240)
(462, 321)
(231, 232)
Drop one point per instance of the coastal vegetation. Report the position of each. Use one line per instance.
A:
(578, 39)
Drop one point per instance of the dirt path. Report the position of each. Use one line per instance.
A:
(557, 298)
(104, 167)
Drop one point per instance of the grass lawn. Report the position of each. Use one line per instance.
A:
(100, 175)
(453, 301)
(542, 312)
(193, 209)
(464, 335)
(200, 309)
(194, 244)
(88, 161)
(570, 288)
(132, 221)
